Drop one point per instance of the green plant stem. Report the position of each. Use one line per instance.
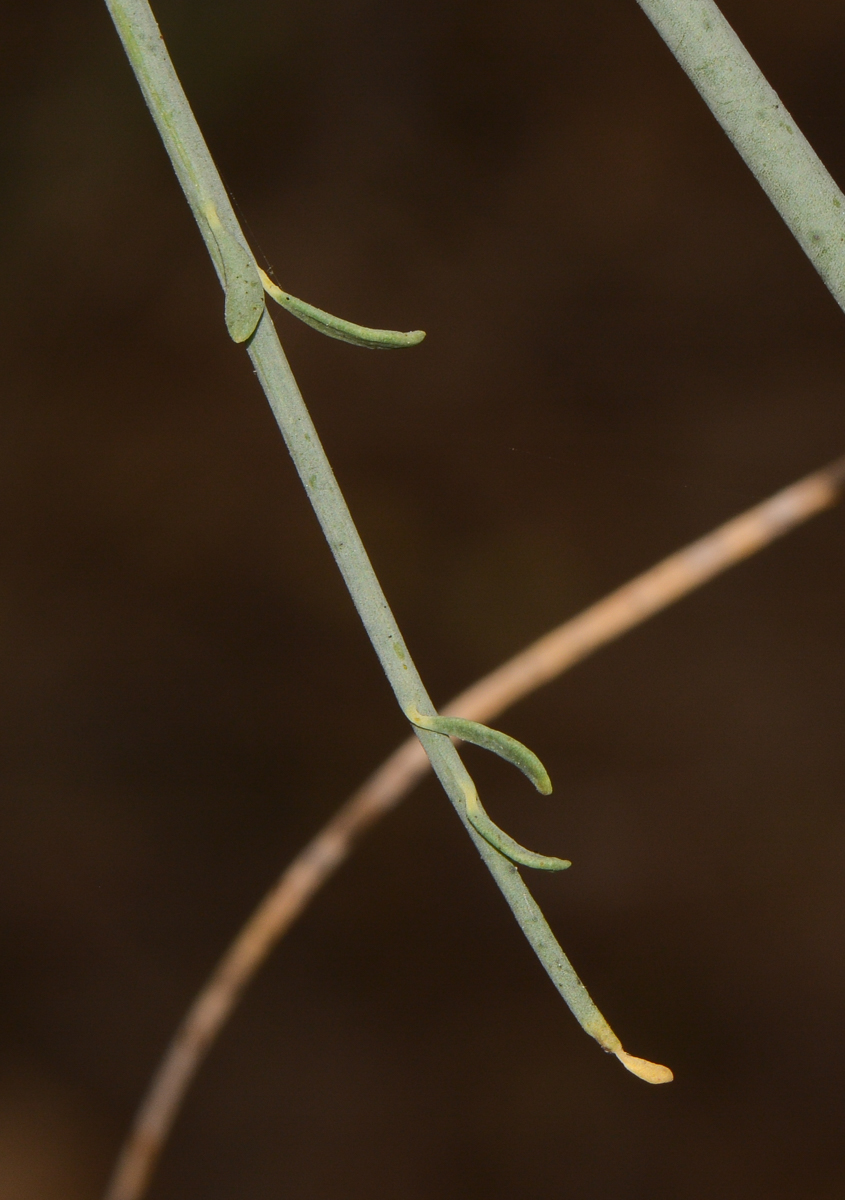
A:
(201, 183)
(752, 115)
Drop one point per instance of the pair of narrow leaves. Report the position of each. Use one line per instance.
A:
(246, 283)
(527, 762)
(513, 752)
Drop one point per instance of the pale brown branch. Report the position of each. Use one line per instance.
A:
(541, 662)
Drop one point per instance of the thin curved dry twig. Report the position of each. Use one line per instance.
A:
(540, 663)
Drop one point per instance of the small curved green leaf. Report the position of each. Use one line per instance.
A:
(489, 739)
(336, 327)
(244, 292)
(504, 843)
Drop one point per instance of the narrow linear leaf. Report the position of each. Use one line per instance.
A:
(506, 747)
(244, 293)
(336, 327)
(503, 842)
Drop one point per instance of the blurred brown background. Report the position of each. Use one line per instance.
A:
(624, 348)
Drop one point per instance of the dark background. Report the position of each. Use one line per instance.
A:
(624, 348)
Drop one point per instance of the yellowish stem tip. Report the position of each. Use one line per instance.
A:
(649, 1071)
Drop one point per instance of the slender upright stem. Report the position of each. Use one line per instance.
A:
(205, 192)
(782, 161)
(752, 115)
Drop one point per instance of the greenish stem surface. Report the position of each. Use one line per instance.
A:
(202, 186)
(193, 165)
(752, 115)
